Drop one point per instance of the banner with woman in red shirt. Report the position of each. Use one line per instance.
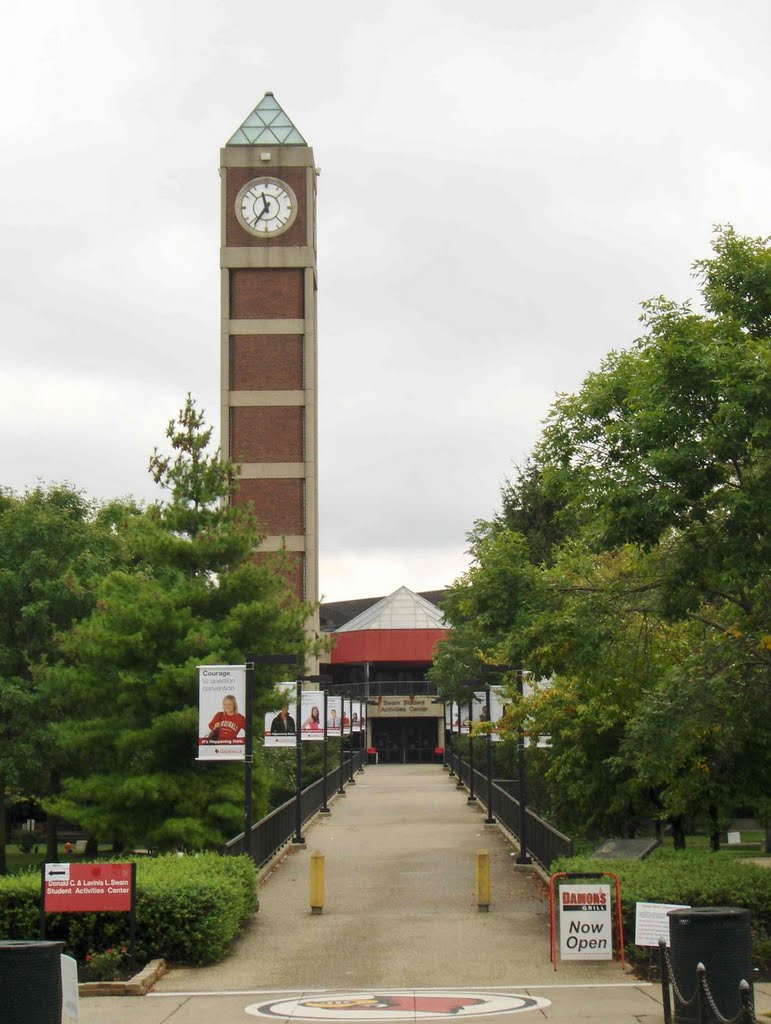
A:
(221, 726)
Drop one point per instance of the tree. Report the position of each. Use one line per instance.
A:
(55, 546)
(193, 595)
(643, 514)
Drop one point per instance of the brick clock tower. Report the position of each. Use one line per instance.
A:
(268, 341)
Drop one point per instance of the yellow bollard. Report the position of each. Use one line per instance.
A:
(483, 881)
(317, 882)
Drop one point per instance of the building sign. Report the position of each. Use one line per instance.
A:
(87, 888)
(221, 722)
(585, 922)
(422, 706)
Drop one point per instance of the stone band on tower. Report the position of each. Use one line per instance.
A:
(269, 410)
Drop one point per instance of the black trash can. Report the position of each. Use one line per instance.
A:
(30, 982)
(719, 938)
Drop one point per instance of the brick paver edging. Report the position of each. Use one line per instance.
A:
(139, 985)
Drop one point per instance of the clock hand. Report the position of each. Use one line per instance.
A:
(264, 209)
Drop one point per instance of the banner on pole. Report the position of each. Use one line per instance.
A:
(312, 726)
(334, 716)
(221, 725)
(356, 717)
(281, 725)
(345, 716)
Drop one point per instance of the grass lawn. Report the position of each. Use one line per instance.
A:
(18, 861)
(752, 845)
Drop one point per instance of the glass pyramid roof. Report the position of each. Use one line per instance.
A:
(401, 610)
(267, 125)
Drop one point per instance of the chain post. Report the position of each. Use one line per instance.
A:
(665, 996)
(748, 1010)
(701, 970)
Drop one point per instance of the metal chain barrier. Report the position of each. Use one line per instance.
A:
(685, 1003)
(746, 1014)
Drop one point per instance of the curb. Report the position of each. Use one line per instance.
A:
(139, 985)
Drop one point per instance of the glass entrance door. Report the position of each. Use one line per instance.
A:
(405, 740)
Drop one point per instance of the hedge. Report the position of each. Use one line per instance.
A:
(188, 910)
(697, 878)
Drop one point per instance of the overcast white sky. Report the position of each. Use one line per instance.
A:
(502, 184)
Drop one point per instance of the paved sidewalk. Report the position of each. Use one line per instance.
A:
(399, 919)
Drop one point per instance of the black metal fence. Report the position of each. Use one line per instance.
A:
(544, 842)
(278, 828)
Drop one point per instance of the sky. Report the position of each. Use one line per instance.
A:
(502, 184)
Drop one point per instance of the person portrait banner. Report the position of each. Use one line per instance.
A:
(334, 716)
(312, 726)
(221, 723)
(281, 725)
(356, 717)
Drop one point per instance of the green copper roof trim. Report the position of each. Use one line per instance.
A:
(267, 125)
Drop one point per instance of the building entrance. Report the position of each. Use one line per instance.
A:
(405, 740)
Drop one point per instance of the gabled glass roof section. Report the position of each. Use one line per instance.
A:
(267, 125)
(401, 610)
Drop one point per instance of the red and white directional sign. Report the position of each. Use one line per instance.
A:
(84, 888)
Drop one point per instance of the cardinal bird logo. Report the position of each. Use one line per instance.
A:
(437, 1006)
(405, 1005)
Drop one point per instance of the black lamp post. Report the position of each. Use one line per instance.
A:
(324, 807)
(523, 857)
(489, 820)
(452, 730)
(251, 661)
(298, 773)
(350, 737)
(471, 795)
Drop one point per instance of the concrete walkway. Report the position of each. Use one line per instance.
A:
(399, 919)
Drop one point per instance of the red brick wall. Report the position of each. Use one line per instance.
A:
(266, 294)
(278, 505)
(288, 564)
(266, 434)
(271, 362)
(237, 178)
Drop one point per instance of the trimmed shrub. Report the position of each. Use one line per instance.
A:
(188, 910)
(697, 878)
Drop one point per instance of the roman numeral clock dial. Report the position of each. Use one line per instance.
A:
(266, 207)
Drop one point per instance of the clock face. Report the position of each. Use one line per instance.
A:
(266, 207)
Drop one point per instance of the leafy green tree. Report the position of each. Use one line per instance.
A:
(643, 517)
(55, 546)
(194, 595)
(669, 441)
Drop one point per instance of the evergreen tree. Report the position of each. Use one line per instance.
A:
(193, 595)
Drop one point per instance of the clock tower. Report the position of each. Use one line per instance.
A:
(268, 334)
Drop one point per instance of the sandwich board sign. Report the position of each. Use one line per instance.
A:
(586, 931)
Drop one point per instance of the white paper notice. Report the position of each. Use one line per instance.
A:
(652, 923)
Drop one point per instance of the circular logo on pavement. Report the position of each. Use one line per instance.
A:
(394, 1005)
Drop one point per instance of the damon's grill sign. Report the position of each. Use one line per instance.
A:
(86, 888)
(585, 922)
